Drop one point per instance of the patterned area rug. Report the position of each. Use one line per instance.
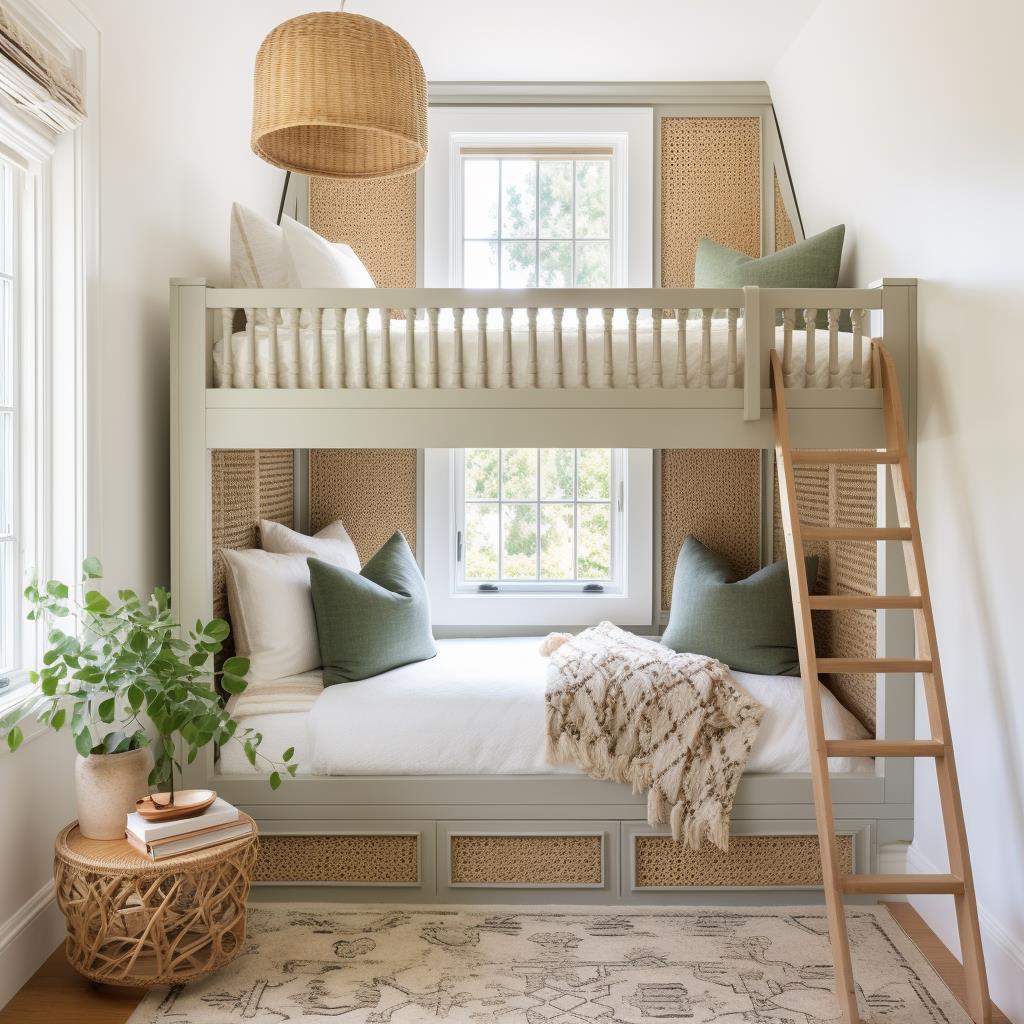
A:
(515, 965)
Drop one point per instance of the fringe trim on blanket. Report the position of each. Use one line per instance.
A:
(676, 726)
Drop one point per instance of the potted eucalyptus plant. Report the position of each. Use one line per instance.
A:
(138, 693)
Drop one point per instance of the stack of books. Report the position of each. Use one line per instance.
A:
(219, 823)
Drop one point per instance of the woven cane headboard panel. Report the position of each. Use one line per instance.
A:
(377, 217)
(248, 485)
(714, 494)
(785, 236)
(841, 496)
(372, 490)
(710, 188)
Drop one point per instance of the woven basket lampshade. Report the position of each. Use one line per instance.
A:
(341, 96)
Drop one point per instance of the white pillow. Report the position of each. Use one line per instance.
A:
(272, 617)
(313, 262)
(258, 258)
(332, 544)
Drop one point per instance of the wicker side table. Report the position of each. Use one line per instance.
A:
(135, 921)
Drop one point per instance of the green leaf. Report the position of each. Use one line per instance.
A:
(57, 589)
(57, 721)
(91, 568)
(288, 754)
(217, 629)
(14, 738)
(250, 752)
(48, 686)
(233, 685)
(237, 666)
(96, 603)
(136, 697)
(106, 710)
(83, 742)
(275, 780)
(292, 769)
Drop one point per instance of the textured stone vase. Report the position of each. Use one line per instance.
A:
(106, 788)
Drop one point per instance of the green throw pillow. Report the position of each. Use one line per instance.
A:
(812, 263)
(748, 623)
(373, 620)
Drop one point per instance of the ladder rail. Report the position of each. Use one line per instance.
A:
(951, 805)
(959, 881)
(830, 870)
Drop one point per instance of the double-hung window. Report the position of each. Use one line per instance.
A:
(12, 429)
(536, 219)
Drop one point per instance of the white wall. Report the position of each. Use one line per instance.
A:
(903, 120)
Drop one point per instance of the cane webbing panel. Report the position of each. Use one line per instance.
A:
(784, 233)
(372, 490)
(247, 485)
(351, 858)
(841, 496)
(377, 217)
(714, 494)
(751, 860)
(710, 188)
(526, 860)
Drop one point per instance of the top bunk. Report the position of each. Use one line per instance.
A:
(418, 367)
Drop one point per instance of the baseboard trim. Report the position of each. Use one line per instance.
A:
(27, 938)
(1004, 952)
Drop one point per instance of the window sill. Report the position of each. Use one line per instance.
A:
(9, 700)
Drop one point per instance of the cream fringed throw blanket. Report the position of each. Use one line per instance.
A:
(629, 709)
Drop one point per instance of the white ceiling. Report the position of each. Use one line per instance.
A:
(593, 40)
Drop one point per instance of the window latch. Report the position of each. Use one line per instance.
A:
(593, 588)
(487, 588)
(458, 545)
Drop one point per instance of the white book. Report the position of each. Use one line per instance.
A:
(186, 844)
(220, 812)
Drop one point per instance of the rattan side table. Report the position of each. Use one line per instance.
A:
(139, 922)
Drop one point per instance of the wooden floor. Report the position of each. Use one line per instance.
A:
(55, 993)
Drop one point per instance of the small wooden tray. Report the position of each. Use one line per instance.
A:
(187, 804)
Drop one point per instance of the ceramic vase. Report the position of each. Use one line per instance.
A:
(106, 788)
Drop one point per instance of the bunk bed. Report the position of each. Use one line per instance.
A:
(415, 368)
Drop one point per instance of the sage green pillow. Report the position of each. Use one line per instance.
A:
(373, 620)
(748, 623)
(812, 263)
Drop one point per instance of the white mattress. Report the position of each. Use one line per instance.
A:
(316, 364)
(478, 709)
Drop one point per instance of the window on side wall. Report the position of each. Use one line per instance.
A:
(538, 537)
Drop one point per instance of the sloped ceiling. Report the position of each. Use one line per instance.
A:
(593, 40)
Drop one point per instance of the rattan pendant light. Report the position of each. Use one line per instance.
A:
(339, 95)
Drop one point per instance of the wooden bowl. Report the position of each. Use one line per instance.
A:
(187, 804)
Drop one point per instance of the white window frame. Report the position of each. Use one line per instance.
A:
(628, 602)
(627, 131)
(59, 214)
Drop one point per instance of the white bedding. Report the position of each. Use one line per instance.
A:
(448, 717)
(316, 364)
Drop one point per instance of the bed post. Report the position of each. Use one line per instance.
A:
(755, 354)
(191, 571)
(895, 636)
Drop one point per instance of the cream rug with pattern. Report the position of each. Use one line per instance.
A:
(557, 965)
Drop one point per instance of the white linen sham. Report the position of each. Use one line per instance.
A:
(269, 599)
(332, 544)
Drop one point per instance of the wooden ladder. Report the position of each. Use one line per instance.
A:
(959, 882)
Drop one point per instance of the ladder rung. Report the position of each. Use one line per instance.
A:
(873, 665)
(856, 533)
(838, 602)
(845, 456)
(895, 885)
(884, 748)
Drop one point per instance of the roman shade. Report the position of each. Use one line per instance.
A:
(36, 78)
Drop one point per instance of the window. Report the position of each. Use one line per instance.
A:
(538, 519)
(536, 220)
(10, 569)
(538, 536)
(545, 197)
